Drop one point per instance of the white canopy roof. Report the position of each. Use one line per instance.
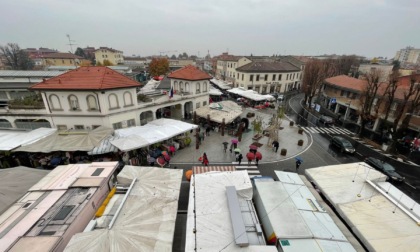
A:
(228, 110)
(357, 193)
(147, 219)
(153, 132)
(251, 94)
(213, 224)
(10, 140)
(214, 91)
(221, 84)
(68, 141)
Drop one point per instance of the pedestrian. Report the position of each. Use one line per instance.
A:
(202, 135)
(258, 157)
(172, 150)
(275, 146)
(240, 158)
(225, 144)
(151, 160)
(205, 160)
(208, 130)
(298, 163)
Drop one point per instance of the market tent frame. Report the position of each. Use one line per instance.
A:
(154, 132)
(147, 218)
(68, 141)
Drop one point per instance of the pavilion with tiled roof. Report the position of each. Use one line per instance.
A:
(190, 73)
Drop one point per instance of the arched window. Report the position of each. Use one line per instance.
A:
(55, 102)
(74, 102)
(205, 86)
(187, 87)
(91, 102)
(113, 101)
(176, 86)
(197, 88)
(182, 86)
(128, 99)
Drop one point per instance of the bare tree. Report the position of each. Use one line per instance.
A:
(16, 58)
(315, 72)
(345, 64)
(411, 97)
(389, 93)
(368, 97)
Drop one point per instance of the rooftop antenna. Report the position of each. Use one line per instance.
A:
(70, 43)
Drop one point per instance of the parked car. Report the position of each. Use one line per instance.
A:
(385, 168)
(280, 98)
(343, 144)
(275, 95)
(326, 120)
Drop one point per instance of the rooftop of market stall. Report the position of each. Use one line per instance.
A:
(251, 94)
(218, 111)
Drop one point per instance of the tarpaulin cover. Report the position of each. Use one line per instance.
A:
(214, 231)
(13, 139)
(68, 142)
(251, 94)
(147, 219)
(154, 132)
(218, 111)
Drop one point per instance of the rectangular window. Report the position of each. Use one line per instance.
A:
(279, 77)
(258, 77)
(274, 77)
(117, 125)
(95, 126)
(79, 127)
(251, 77)
(266, 77)
(204, 103)
(62, 127)
(131, 122)
(242, 76)
(237, 75)
(342, 93)
(197, 105)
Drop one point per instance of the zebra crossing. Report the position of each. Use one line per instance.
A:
(252, 169)
(325, 130)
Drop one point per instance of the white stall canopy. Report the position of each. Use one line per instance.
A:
(154, 132)
(228, 110)
(10, 140)
(251, 94)
(68, 141)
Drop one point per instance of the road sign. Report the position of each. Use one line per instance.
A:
(333, 100)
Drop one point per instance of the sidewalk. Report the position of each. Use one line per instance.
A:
(213, 147)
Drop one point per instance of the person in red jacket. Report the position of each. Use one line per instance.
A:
(205, 160)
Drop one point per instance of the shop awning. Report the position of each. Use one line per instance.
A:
(68, 141)
(154, 132)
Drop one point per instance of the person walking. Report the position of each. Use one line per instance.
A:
(225, 145)
(240, 158)
(276, 146)
(205, 160)
(208, 130)
(258, 157)
(172, 150)
(298, 163)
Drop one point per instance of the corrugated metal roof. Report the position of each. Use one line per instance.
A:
(23, 73)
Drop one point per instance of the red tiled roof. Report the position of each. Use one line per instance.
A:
(347, 82)
(109, 49)
(87, 78)
(189, 73)
(60, 56)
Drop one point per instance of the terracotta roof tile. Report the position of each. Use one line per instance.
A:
(189, 73)
(87, 78)
(347, 82)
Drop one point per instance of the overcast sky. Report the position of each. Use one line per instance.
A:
(261, 27)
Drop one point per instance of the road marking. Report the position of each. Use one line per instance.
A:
(410, 185)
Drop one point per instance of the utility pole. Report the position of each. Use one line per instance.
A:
(70, 43)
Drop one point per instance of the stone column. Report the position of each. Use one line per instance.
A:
(223, 127)
(337, 108)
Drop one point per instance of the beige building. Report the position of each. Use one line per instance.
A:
(268, 77)
(180, 63)
(115, 57)
(384, 70)
(62, 59)
(408, 55)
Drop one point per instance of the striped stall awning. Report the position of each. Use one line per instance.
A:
(204, 169)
